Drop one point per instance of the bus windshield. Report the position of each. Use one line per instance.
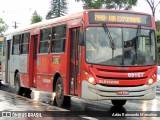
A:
(131, 49)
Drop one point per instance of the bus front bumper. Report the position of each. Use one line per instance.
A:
(99, 92)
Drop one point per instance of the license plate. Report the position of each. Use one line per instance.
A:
(123, 92)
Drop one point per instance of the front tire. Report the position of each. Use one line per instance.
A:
(60, 98)
(118, 103)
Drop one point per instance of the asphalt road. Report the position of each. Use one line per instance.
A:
(91, 110)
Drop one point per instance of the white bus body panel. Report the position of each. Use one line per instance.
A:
(14, 65)
(98, 92)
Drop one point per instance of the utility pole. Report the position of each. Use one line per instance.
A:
(2, 11)
(15, 25)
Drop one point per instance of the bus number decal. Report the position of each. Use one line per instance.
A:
(136, 74)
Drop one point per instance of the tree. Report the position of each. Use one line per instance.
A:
(153, 5)
(158, 25)
(3, 26)
(35, 18)
(120, 4)
(158, 31)
(158, 39)
(108, 4)
(58, 8)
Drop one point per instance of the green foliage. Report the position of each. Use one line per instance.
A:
(3, 26)
(158, 25)
(158, 39)
(36, 18)
(158, 32)
(92, 4)
(108, 4)
(58, 8)
(120, 4)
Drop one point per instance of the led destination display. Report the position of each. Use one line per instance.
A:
(119, 17)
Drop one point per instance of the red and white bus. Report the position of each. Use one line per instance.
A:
(94, 55)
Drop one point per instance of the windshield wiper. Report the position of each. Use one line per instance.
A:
(137, 38)
(109, 36)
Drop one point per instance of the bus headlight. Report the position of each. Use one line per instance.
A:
(91, 80)
(89, 77)
(150, 81)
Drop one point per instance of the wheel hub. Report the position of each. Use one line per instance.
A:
(59, 91)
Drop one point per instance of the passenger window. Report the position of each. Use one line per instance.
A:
(25, 43)
(15, 45)
(58, 39)
(45, 37)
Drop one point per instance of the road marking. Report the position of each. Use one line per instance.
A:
(86, 117)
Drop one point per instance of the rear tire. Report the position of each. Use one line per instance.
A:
(118, 103)
(60, 99)
(19, 89)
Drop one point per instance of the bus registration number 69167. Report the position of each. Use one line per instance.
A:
(140, 74)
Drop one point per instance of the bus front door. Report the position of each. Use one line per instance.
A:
(74, 61)
(33, 60)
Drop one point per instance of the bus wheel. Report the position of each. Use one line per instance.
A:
(59, 92)
(60, 98)
(19, 89)
(118, 103)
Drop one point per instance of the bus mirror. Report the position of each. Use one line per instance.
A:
(80, 39)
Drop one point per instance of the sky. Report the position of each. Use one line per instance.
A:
(21, 10)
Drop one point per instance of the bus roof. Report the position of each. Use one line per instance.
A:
(46, 22)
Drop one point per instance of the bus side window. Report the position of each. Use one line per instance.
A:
(25, 43)
(15, 45)
(58, 39)
(45, 37)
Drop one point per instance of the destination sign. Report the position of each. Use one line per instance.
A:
(119, 18)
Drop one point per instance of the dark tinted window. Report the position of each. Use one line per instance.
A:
(58, 39)
(25, 37)
(45, 36)
(16, 44)
(25, 43)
